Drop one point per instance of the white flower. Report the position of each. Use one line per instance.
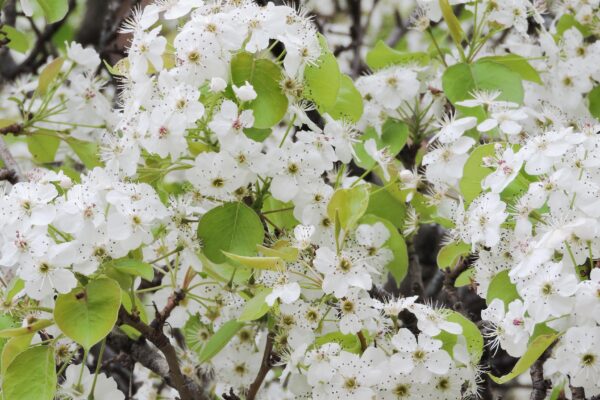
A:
(245, 92)
(421, 359)
(79, 381)
(87, 58)
(341, 271)
(217, 84)
(485, 215)
(287, 293)
(230, 121)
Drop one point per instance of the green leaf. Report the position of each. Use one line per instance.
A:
(264, 75)
(258, 135)
(502, 288)
(17, 40)
(474, 172)
(88, 314)
(460, 80)
(43, 146)
(14, 347)
(256, 307)
(568, 21)
(268, 263)
(34, 327)
(518, 64)
(31, 375)
(465, 278)
(348, 342)
(350, 205)
(449, 254)
(280, 249)
(54, 10)
(219, 340)
(382, 56)
(86, 151)
(349, 103)
(133, 267)
(533, 352)
(470, 332)
(386, 206)
(283, 219)
(232, 227)
(48, 74)
(594, 102)
(394, 135)
(453, 23)
(398, 267)
(322, 80)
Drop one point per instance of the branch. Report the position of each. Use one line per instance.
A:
(578, 393)
(265, 366)
(187, 388)
(162, 316)
(539, 386)
(9, 162)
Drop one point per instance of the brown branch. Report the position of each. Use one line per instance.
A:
(578, 393)
(8, 175)
(186, 388)
(265, 366)
(15, 129)
(9, 161)
(539, 385)
(162, 316)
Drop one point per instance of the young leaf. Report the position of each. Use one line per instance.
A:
(502, 288)
(398, 267)
(86, 151)
(285, 252)
(533, 352)
(594, 102)
(383, 56)
(48, 74)
(449, 254)
(469, 330)
(322, 81)
(17, 40)
(264, 75)
(465, 278)
(268, 263)
(34, 327)
(256, 307)
(474, 172)
(219, 340)
(232, 227)
(31, 375)
(460, 80)
(349, 103)
(350, 204)
(518, 64)
(13, 348)
(453, 23)
(88, 314)
(133, 267)
(54, 10)
(394, 135)
(348, 342)
(43, 146)
(386, 206)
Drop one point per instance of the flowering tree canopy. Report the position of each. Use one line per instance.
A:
(236, 199)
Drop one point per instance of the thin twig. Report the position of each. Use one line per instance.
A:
(265, 366)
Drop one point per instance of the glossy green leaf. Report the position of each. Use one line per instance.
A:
(502, 288)
(398, 267)
(264, 75)
(88, 314)
(449, 254)
(31, 375)
(394, 135)
(460, 80)
(518, 64)
(17, 40)
(594, 102)
(219, 340)
(232, 227)
(322, 80)
(465, 278)
(470, 331)
(533, 352)
(256, 307)
(350, 205)
(13, 348)
(86, 151)
(43, 146)
(382, 56)
(54, 10)
(349, 103)
(474, 172)
(49, 74)
(386, 206)
(133, 267)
